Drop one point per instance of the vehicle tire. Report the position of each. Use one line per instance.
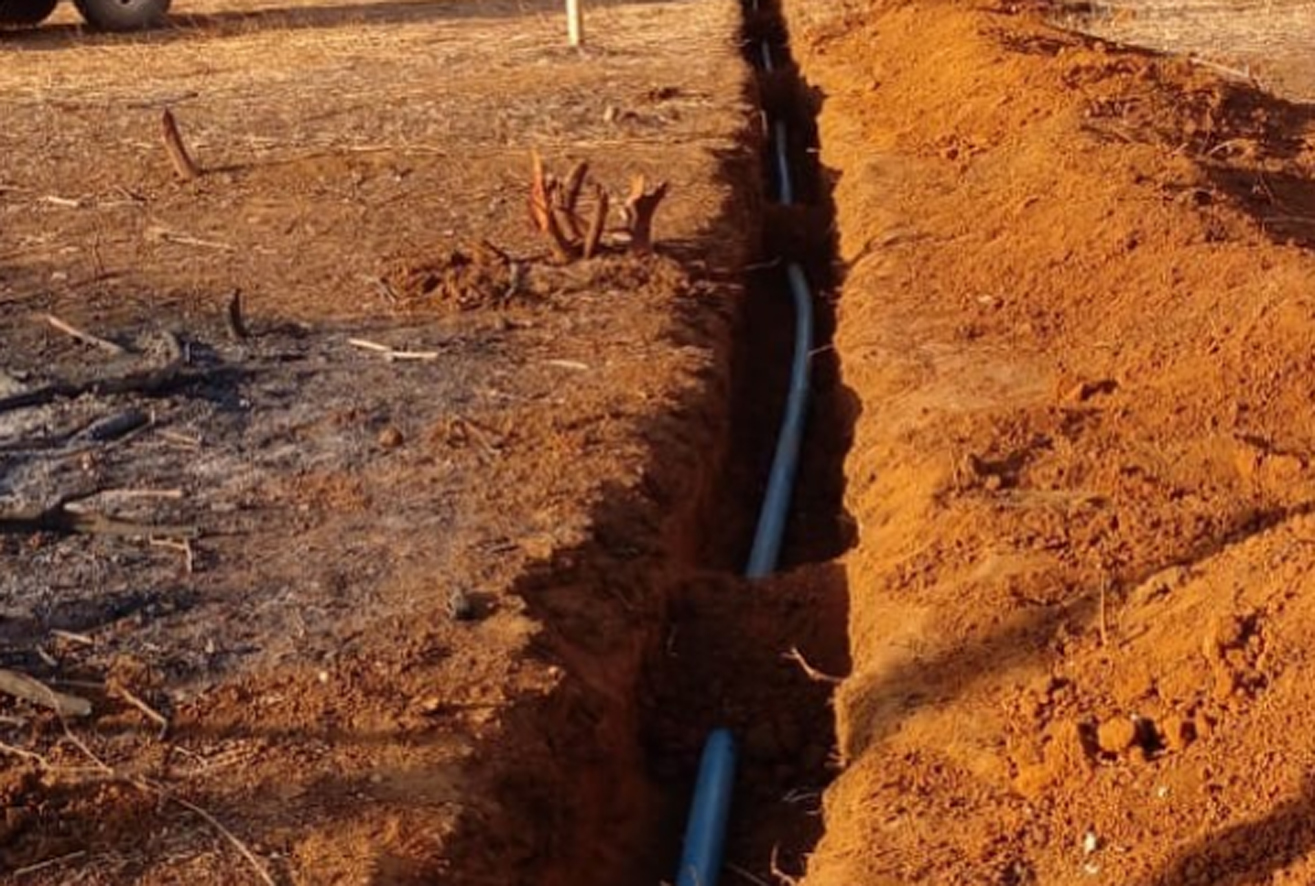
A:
(121, 15)
(25, 12)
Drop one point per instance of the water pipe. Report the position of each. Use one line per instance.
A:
(705, 833)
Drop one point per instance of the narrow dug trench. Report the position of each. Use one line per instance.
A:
(757, 656)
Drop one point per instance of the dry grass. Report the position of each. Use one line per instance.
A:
(1270, 40)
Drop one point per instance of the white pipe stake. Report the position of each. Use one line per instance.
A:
(574, 22)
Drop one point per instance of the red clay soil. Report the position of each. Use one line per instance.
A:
(1078, 315)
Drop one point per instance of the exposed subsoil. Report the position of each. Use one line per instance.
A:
(1076, 312)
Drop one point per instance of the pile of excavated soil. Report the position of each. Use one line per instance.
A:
(1077, 313)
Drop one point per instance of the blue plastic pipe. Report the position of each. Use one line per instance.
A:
(705, 834)
(785, 463)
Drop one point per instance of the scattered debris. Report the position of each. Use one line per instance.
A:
(391, 354)
(87, 338)
(38, 693)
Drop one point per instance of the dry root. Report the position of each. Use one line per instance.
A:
(184, 166)
(554, 206)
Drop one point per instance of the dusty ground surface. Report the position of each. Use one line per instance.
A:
(1077, 314)
(1267, 42)
(325, 705)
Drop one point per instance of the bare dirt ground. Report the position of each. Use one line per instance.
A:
(393, 611)
(467, 619)
(1267, 42)
(1077, 314)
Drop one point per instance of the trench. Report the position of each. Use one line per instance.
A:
(723, 663)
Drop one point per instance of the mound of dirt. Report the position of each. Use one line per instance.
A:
(1077, 316)
(481, 277)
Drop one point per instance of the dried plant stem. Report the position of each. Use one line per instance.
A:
(184, 166)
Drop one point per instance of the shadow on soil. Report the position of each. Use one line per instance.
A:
(1248, 853)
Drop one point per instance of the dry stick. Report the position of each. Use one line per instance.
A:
(391, 354)
(50, 862)
(218, 826)
(189, 553)
(641, 206)
(72, 637)
(233, 316)
(810, 672)
(25, 754)
(29, 689)
(151, 713)
(182, 439)
(85, 337)
(184, 166)
(595, 234)
(145, 493)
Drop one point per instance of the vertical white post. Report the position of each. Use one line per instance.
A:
(574, 22)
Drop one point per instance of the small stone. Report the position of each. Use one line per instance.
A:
(1116, 735)
(460, 606)
(390, 438)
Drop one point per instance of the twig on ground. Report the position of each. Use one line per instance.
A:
(67, 202)
(810, 672)
(391, 354)
(237, 327)
(184, 166)
(25, 754)
(49, 863)
(191, 442)
(151, 713)
(145, 493)
(164, 235)
(33, 690)
(72, 637)
(218, 826)
(85, 337)
(185, 546)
